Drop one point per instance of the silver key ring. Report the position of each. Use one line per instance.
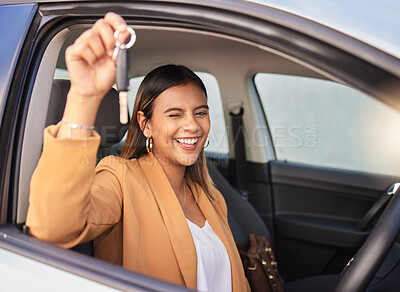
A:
(131, 41)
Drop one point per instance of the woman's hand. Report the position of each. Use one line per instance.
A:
(92, 72)
(89, 59)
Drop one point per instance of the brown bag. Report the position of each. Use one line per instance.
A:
(260, 265)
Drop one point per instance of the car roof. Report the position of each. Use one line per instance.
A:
(376, 23)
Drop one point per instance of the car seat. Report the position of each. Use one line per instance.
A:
(242, 217)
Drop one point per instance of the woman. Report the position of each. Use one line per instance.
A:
(154, 210)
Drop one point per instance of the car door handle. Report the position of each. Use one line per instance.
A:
(377, 206)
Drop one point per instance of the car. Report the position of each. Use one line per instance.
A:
(304, 101)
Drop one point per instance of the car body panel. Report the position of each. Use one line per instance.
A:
(14, 267)
(15, 21)
(32, 252)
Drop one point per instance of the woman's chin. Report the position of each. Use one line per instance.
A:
(187, 160)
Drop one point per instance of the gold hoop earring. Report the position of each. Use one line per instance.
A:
(207, 143)
(149, 145)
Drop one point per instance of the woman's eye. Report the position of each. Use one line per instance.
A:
(173, 115)
(201, 113)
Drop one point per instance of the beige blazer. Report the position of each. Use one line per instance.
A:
(127, 206)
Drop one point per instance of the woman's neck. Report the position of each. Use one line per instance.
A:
(175, 174)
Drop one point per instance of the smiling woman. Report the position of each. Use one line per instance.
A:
(172, 112)
(144, 209)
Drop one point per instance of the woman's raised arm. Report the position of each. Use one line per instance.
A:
(71, 201)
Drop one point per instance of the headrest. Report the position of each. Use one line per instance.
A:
(107, 120)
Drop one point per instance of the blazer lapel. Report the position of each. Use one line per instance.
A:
(224, 234)
(213, 218)
(173, 217)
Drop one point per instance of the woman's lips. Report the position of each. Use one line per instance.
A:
(188, 143)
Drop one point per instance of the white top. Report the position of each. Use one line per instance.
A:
(213, 264)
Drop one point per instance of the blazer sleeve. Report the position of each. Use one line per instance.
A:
(72, 201)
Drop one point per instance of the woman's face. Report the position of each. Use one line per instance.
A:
(179, 125)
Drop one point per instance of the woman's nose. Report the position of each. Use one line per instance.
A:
(190, 124)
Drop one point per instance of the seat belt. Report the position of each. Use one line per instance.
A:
(240, 154)
(378, 206)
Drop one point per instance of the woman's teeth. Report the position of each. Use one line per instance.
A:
(188, 141)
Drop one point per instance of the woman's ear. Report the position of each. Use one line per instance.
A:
(142, 121)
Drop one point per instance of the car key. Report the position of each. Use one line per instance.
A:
(121, 59)
(123, 83)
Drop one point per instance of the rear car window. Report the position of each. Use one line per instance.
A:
(323, 123)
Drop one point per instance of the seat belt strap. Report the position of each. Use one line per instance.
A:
(377, 207)
(240, 154)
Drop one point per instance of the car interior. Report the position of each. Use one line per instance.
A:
(308, 213)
